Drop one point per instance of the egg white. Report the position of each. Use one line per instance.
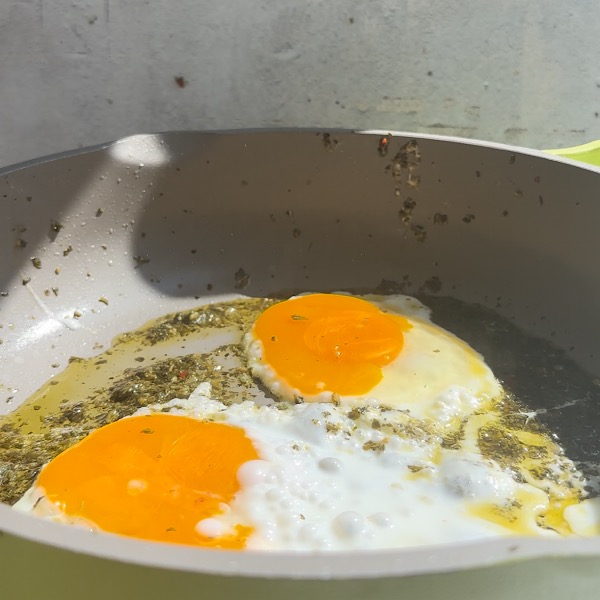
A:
(329, 480)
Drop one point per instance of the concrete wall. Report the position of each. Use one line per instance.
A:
(76, 73)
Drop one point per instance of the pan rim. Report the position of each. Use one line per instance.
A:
(106, 146)
(402, 562)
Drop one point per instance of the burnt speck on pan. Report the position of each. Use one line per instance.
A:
(329, 143)
(413, 181)
(433, 285)
(419, 232)
(405, 213)
(404, 167)
(241, 279)
(389, 286)
(140, 260)
(55, 228)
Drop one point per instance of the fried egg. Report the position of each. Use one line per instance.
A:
(307, 477)
(151, 476)
(377, 349)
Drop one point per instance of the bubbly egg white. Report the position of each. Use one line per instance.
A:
(329, 478)
(326, 481)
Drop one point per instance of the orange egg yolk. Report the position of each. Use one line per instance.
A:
(329, 342)
(152, 477)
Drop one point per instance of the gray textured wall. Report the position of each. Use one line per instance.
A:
(85, 72)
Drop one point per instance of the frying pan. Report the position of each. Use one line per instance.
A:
(158, 223)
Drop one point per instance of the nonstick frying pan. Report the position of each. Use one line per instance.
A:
(99, 241)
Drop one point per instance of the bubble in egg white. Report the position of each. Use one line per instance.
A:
(583, 517)
(330, 464)
(349, 524)
(210, 528)
(469, 476)
(255, 471)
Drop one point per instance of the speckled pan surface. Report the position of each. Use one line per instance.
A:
(100, 241)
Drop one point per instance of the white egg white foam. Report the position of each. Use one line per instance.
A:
(329, 480)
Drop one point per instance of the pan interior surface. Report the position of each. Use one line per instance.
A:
(499, 242)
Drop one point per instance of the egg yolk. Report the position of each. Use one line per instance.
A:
(152, 477)
(329, 342)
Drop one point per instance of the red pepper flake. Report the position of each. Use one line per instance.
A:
(382, 146)
(183, 374)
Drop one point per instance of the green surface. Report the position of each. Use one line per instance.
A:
(587, 153)
(31, 570)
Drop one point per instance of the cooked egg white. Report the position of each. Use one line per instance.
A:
(380, 350)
